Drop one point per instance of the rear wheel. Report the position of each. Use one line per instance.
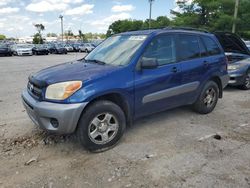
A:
(101, 126)
(246, 85)
(207, 99)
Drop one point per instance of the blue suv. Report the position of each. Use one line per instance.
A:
(128, 76)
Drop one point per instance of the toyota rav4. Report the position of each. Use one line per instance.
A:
(128, 76)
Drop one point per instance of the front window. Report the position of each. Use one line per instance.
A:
(117, 50)
(162, 49)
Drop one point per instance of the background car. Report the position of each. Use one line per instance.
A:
(69, 48)
(22, 49)
(60, 49)
(40, 49)
(5, 50)
(86, 47)
(57, 49)
(248, 44)
(234, 47)
(76, 47)
(238, 56)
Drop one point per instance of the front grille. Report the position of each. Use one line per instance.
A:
(34, 90)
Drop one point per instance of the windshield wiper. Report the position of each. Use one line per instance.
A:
(97, 61)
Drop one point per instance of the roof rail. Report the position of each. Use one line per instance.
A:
(188, 28)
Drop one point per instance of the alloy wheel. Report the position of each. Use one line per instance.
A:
(209, 97)
(103, 128)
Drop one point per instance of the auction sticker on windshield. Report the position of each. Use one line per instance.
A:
(138, 37)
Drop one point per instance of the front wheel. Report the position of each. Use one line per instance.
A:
(208, 98)
(246, 85)
(101, 126)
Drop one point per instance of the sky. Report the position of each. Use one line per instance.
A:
(17, 17)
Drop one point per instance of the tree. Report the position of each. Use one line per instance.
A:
(51, 35)
(40, 28)
(82, 36)
(37, 39)
(2, 37)
(133, 25)
(212, 15)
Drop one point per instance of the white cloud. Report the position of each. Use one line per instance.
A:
(46, 6)
(104, 23)
(5, 2)
(8, 10)
(65, 1)
(84, 9)
(122, 8)
(2, 3)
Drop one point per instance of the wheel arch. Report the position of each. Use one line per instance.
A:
(116, 98)
(218, 81)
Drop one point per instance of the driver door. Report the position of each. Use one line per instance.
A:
(157, 89)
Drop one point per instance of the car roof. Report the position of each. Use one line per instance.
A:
(167, 30)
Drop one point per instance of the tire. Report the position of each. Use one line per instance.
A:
(208, 98)
(98, 120)
(246, 85)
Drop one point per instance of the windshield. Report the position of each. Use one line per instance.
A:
(3, 46)
(59, 45)
(24, 46)
(41, 46)
(117, 50)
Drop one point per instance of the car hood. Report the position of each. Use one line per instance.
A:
(243, 62)
(76, 70)
(232, 43)
(4, 49)
(40, 48)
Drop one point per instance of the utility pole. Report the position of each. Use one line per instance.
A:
(236, 8)
(150, 13)
(61, 17)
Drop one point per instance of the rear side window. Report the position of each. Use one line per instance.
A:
(211, 45)
(162, 48)
(188, 47)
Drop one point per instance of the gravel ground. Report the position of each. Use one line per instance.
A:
(175, 148)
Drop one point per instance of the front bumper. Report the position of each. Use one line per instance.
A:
(236, 79)
(44, 114)
(24, 53)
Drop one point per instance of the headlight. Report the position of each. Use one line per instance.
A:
(235, 67)
(62, 90)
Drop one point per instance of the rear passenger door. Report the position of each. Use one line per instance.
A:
(192, 55)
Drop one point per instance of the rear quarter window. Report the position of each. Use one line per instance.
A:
(211, 46)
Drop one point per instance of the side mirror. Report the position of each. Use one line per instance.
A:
(149, 63)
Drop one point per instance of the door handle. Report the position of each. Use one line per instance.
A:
(174, 69)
